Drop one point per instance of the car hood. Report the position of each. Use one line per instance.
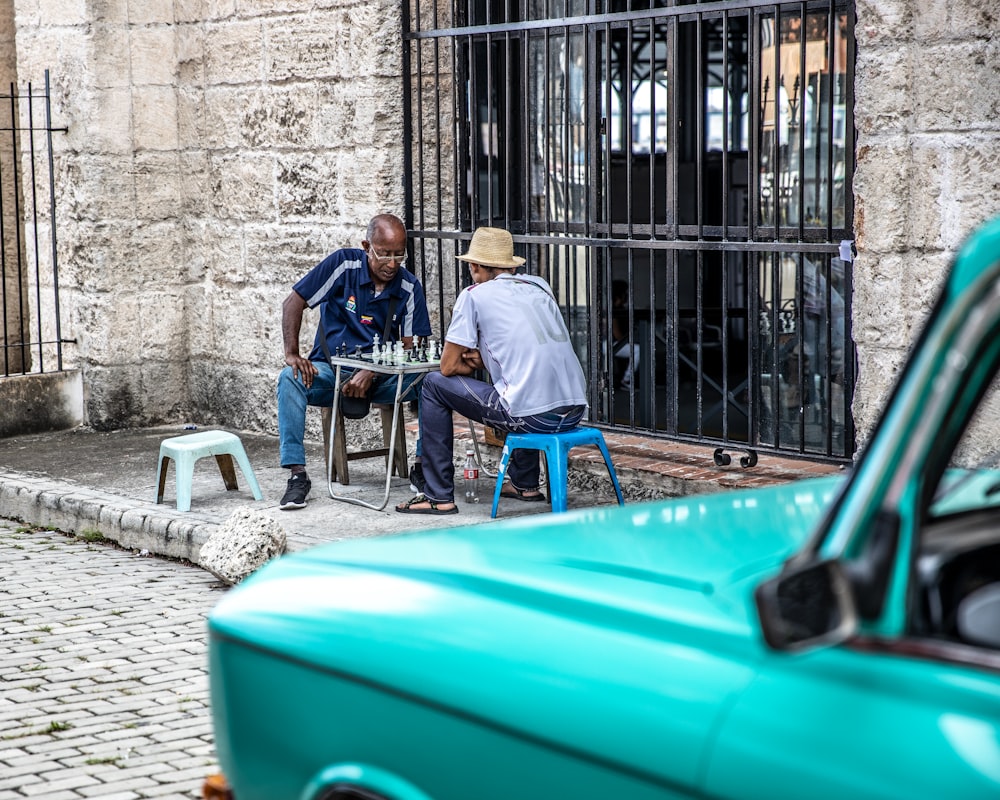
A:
(595, 617)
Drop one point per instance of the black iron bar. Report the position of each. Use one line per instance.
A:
(849, 126)
(526, 162)
(546, 133)
(589, 164)
(673, 136)
(3, 258)
(564, 136)
(606, 123)
(645, 371)
(699, 350)
(651, 157)
(800, 123)
(505, 133)
(627, 114)
(408, 167)
(492, 128)
(757, 110)
(776, 188)
(699, 112)
(800, 334)
(725, 129)
(25, 353)
(630, 312)
(831, 39)
(34, 222)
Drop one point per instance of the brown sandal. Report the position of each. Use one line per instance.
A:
(522, 494)
(408, 506)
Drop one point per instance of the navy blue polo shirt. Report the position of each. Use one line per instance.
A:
(351, 311)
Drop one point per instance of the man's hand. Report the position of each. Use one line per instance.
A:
(472, 359)
(302, 366)
(459, 360)
(359, 384)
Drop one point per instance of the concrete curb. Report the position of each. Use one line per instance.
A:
(45, 503)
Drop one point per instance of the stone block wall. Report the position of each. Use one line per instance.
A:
(14, 309)
(217, 149)
(928, 120)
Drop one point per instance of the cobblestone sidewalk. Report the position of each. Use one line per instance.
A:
(103, 684)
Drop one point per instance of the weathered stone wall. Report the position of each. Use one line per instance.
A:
(216, 151)
(928, 120)
(13, 359)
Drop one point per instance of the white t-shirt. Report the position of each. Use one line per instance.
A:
(515, 323)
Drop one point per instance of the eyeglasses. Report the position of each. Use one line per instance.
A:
(398, 258)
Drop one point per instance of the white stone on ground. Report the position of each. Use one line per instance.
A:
(242, 544)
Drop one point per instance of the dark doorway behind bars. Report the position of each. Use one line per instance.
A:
(680, 173)
(30, 328)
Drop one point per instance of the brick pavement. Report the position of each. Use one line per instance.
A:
(103, 684)
(103, 691)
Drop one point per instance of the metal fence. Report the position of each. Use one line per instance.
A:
(31, 333)
(680, 173)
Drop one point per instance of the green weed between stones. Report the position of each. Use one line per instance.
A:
(113, 760)
(58, 727)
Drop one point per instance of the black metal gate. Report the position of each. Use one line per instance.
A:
(680, 173)
(30, 329)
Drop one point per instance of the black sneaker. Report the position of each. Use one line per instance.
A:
(296, 493)
(417, 482)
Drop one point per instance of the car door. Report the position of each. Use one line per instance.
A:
(909, 705)
(856, 721)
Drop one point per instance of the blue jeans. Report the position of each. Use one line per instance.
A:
(440, 396)
(294, 397)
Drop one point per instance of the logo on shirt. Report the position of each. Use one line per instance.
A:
(352, 304)
(366, 319)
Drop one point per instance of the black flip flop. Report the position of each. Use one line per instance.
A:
(407, 507)
(519, 494)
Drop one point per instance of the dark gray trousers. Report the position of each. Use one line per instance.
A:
(477, 400)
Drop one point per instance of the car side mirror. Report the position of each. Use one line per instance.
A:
(807, 605)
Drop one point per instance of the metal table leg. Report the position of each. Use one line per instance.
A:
(392, 443)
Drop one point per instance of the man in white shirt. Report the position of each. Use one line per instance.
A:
(512, 326)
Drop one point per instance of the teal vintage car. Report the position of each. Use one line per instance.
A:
(834, 638)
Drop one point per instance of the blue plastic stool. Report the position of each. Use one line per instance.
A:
(556, 447)
(185, 450)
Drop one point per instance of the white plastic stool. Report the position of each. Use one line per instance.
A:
(185, 450)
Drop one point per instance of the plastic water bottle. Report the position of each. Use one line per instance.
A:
(471, 475)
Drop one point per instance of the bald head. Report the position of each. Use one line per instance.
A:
(384, 227)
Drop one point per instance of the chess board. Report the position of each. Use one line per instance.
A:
(408, 358)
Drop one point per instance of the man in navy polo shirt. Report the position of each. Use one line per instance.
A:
(356, 290)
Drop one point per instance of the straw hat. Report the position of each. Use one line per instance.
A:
(492, 247)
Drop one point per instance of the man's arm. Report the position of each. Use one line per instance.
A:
(291, 325)
(459, 360)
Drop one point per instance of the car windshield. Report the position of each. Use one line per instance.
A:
(958, 552)
(972, 480)
(967, 489)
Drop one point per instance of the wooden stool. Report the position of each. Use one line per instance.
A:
(338, 470)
